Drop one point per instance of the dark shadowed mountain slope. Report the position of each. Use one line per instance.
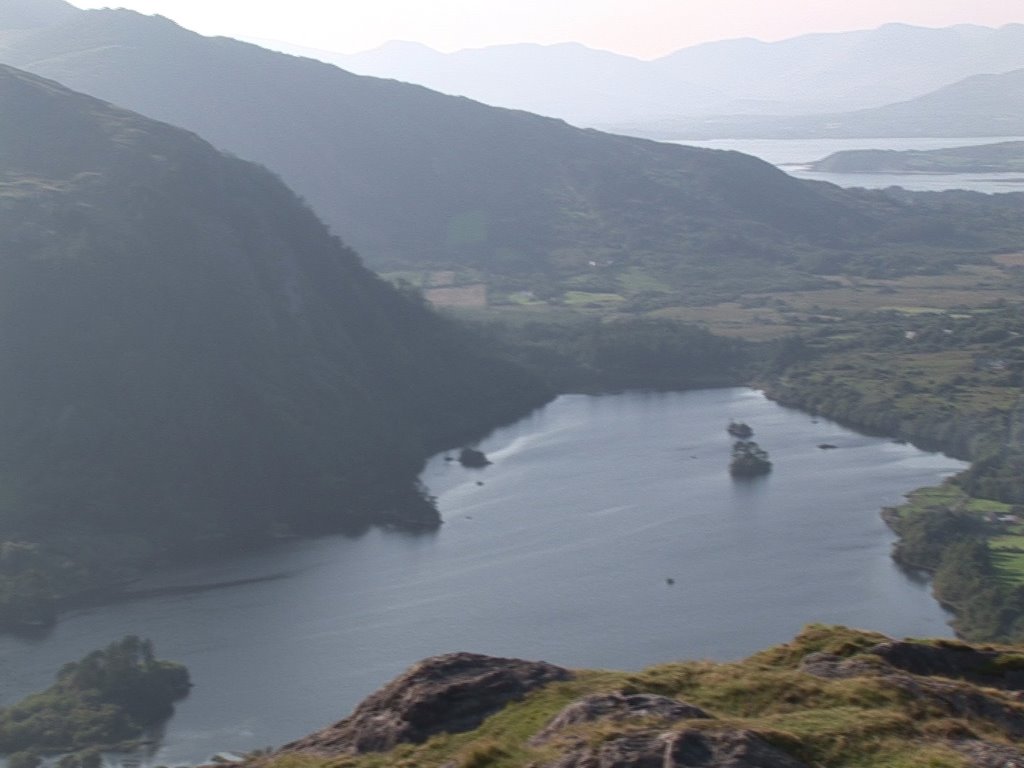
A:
(189, 354)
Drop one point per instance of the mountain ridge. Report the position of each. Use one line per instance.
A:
(416, 180)
(980, 105)
(811, 73)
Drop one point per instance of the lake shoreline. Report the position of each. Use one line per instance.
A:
(122, 588)
(598, 515)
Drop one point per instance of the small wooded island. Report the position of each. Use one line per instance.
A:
(740, 429)
(749, 460)
(471, 457)
(108, 699)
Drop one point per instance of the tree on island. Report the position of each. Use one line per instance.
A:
(749, 460)
(470, 457)
(107, 699)
(740, 429)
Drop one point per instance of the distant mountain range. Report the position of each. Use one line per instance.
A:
(189, 356)
(982, 105)
(810, 74)
(415, 179)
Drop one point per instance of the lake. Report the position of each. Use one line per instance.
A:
(793, 156)
(560, 550)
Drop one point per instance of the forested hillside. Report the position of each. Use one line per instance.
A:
(189, 354)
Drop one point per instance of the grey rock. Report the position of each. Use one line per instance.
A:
(965, 701)
(984, 754)
(443, 694)
(956, 698)
(830, 667)
(618, 707)
(688, 748)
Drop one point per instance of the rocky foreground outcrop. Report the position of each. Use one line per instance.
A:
(832, 697)
(444, 694)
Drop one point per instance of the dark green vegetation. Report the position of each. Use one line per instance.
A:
(831, 697)
(581, 353)
(1004, 157)
(749, 460)
(972, 548)
(946, 380)
(109, 698)
(949, 381)
(530, 207)
(740, 429)
(471, 457)
(28, 595)
(192, 359)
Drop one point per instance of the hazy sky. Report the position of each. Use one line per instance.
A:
(643, 28)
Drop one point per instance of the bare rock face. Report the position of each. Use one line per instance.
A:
(443, 694)
(950, 660)
(831, 667)
(943, 691)
(686, 748)
(618, 708)
(984, 754)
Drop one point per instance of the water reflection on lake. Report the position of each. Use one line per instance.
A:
(561, 550)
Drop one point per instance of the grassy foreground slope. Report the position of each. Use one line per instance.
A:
(831, 697)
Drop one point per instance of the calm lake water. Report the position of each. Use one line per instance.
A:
(793, 156)
(560, 551)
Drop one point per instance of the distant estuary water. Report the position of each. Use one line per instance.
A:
(794, 155)
(563, 549)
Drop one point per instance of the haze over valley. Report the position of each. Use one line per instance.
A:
(318, 364)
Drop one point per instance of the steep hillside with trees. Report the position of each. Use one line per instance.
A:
(190, 356)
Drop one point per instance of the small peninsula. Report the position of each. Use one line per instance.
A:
(108, 699)
(1001, 157)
